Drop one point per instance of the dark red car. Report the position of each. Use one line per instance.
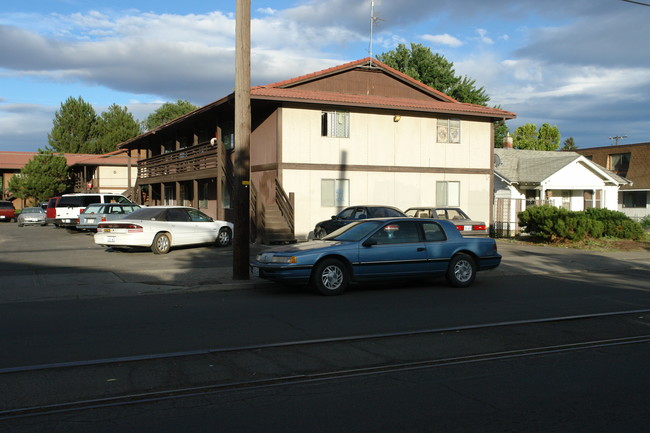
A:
(7, 211)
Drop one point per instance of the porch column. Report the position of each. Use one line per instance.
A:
(162, 193)
(195, 193)
(177, 187)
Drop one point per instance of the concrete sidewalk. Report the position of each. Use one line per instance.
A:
(59, 284)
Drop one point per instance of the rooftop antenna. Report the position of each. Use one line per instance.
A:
(616, 138)
(373, 21)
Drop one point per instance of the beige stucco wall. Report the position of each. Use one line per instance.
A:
(395, 149)
(376, 139)
(114, 179)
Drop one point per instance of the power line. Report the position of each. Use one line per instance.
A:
(636, 3)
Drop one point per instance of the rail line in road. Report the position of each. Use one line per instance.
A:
(375, 344)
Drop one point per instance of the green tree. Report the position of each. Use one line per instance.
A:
(528, 137)
(112, 128)
(73, 127)
(500, 132)
(435, 71)
(44, 176)
(168, 112)
(569, 144)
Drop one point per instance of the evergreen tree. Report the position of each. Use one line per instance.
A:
(44, 176)
(569, 144)
(168, 112)
(435, 71)
(73, 127)
(112, 128)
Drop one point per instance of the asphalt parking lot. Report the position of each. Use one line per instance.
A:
(44, 263)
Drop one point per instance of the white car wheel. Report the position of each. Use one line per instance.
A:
(161, 244)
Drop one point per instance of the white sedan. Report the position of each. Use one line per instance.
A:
(163, 227)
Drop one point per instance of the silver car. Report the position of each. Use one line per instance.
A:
(465, 225)
(31, 216)
(100, 212)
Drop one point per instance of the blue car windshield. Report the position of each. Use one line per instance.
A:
(353, 232)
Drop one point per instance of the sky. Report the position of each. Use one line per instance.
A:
(582, 65)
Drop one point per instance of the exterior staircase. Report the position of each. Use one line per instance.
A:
(276, 229)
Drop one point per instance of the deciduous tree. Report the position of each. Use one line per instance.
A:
(528, 137)
(435, 71)
(167, 112)
(44, 176)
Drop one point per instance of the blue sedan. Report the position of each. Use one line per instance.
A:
(381, 248)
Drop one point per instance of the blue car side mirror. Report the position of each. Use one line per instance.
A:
(369, 242)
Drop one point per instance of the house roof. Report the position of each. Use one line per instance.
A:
(535, 166)
(302, 89)
(292, 90)
(17, 160)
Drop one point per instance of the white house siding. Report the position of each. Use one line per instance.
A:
(377, 140)
(114, 179)
(575, 179)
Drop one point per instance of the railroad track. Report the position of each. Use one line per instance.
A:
(285, 364)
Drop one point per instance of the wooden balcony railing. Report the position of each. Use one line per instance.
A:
(194, 158)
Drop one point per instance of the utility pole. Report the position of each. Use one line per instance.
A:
(616, 138)
(241, 240)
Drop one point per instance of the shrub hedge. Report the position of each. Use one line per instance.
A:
(553, 223)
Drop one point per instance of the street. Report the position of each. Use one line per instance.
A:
(520, 350)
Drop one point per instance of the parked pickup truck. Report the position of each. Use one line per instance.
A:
(70, 206)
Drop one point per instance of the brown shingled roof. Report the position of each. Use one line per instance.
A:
(289, 90)
(17, 160)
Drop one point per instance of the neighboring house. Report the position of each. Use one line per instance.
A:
(109, 173)
(631, 161)
(359, 133)
(562, 179)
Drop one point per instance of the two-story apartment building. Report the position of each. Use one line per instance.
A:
(631, 161)
(359, 133)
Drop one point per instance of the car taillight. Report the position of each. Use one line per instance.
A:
(130, 228)
(460, 228)
(479, 227)
(103, 218)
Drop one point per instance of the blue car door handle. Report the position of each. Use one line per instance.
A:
(421, 249)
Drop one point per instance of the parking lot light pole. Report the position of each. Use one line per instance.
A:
(241, 239)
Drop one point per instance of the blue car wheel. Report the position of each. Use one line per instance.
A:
(330, 277)
(461, 271)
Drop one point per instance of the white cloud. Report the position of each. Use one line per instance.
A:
(444, 39)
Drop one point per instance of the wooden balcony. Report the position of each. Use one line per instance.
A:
(182, 164)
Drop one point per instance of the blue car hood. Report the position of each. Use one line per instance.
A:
(304, 246)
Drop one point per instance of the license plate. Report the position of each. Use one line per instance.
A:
(107, 231)
(2, 217)
(110, 239)
(90, 220)
(255, 271)
(66, 221)
(468, 228)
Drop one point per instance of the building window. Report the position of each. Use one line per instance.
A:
(335, 124)
(335, 192)
(204, 195)
(448, 131)
(170, 194)
(619, 163)
(635, 199)
(447, 193)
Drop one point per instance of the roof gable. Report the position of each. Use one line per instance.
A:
(535, 166)
(370, 83)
